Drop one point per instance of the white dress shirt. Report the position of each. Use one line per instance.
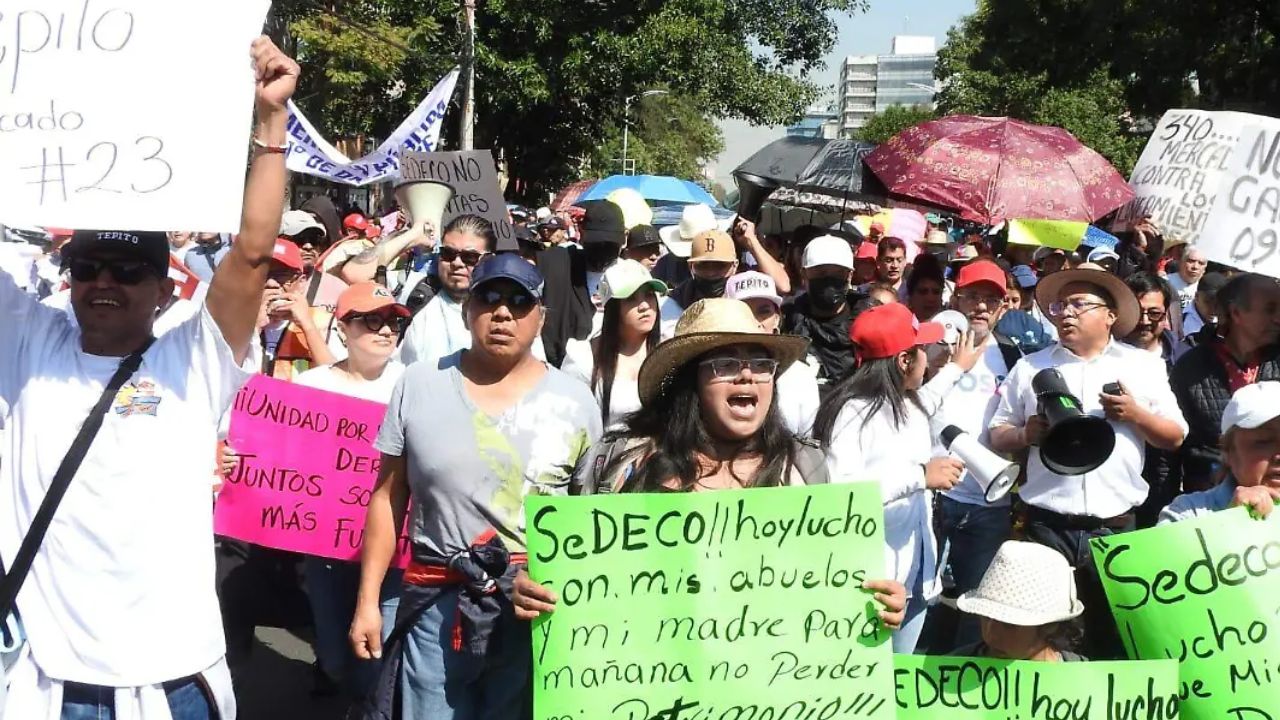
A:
(1117, 486)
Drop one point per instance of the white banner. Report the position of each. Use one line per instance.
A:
(1244, 226)
(309, 152)
(130, 115)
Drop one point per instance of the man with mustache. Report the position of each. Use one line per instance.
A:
(1089, 305)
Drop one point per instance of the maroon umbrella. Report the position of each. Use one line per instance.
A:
(570, 194)
(991, 169)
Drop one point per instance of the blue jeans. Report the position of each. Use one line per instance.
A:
(438, 683)
(332, 586)
(187, 701)
(969, 535)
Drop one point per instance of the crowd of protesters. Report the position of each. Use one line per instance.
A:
(596, 354)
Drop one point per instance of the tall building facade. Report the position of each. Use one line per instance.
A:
(818, 122)
(871, 83)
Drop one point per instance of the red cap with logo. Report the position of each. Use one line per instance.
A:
(368, 297)
(287, 253)
(887, 330)
(982, 271)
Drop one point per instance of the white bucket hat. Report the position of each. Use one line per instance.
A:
(1027, 585)
(694, 220)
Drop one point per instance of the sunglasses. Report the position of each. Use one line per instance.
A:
(125, 272)
(373, 322)
(518, 300)
(729, 368)
(470, 258)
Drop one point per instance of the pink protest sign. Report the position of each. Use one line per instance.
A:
(307, 471)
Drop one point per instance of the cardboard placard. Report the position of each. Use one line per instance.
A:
(307, 471)
(1243, 226)
(729, 604)
(474, 178)
(131, 115)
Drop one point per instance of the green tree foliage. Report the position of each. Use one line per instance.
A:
(1092, 65)
(551, 75)
(670, 135)
(891, 121)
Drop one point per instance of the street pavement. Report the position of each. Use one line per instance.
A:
(277, 683)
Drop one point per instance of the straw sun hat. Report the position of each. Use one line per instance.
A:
(1027, 585)
(1050, 287)
(705, 326)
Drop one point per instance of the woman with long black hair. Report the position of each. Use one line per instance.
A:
(610, 362)
(874, 425)
(708, 422)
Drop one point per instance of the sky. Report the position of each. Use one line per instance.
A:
(869, 33)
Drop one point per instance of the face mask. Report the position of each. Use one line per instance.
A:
(708, 288)
(826, 293)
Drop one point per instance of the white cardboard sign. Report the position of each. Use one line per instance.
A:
(126, 114)
(1180, 170)
(1244, 227)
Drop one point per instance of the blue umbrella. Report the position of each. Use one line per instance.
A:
(654, 188)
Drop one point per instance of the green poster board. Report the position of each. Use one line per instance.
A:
(742, 605)
(959, 688)
(1204, 592)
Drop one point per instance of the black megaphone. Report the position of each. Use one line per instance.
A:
(753, 190)
(1074, 443)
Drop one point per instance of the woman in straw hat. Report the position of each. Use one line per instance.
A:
(1026, 602)
(874, 426)
(610, 362)
(708, 421)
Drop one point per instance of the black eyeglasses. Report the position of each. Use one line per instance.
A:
(373, 322)
(518, 300)
(470, 258)
(1154, 315)
(125, 272)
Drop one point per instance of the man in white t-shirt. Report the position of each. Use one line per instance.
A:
(1190, 269)
(119, 606)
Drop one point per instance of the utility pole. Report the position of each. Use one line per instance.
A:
(626, 122)
(467, 134)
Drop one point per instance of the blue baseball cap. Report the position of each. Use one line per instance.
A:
(508, 266)
(1025, 276)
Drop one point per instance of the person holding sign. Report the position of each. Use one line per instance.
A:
(1025, 602)
(119, 606)
(466, 440)
(369, 321)
(875, 426)
(708, 422)
(1251, 449)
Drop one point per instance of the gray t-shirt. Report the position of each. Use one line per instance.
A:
(469, 472)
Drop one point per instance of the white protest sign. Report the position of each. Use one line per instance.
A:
(1242, 229)
(310, 153)
(474, 178)
(129, 114)
(1181, 168)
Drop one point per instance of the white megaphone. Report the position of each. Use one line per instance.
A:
(994, 473)
(424, 201)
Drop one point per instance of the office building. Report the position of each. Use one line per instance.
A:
(819, 121)
(871, 83)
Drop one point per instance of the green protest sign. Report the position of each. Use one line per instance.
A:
(734, 605)
(1204, 592)
(980, 689)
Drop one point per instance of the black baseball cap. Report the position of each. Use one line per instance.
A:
(603, 223)
(643, 236)
(150, 247)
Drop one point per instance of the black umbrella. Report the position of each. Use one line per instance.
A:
(782, 161)
(838, 169)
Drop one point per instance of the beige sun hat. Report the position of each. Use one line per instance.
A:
(705, 326)
(1027, 585)
(1049, 287)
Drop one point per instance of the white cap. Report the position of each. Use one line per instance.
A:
(1101, 253)
(752, 284)
(828, 250)
(694, 220)
(953, 323)
(543, 213)
(1252, 406)
(296, 222)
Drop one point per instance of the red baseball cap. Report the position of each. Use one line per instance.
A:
(982, 271)
(867, 250)
(887, 330)
(877, 227)
(287, 253)
(56, 233)
(368, 297)
(355, 221)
